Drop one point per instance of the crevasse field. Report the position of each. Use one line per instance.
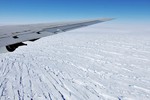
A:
(101, 62)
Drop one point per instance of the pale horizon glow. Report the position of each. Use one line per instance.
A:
(31, 11)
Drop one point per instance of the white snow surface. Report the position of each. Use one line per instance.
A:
(102, 62)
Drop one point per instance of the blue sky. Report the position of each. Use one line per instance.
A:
(39, 11)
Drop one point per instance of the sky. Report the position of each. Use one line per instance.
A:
(44, 11)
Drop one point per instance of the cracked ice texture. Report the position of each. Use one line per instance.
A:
(102, 62)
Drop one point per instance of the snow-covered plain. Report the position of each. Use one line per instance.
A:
(102, 62)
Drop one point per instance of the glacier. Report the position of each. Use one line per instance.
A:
(102, 62)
